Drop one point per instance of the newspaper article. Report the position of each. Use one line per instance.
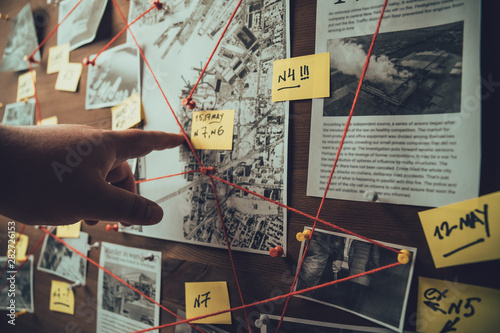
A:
(414, 138)
(119, 308)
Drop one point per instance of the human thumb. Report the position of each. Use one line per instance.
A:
(117, 204)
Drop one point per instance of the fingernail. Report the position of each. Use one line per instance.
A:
(155, 214)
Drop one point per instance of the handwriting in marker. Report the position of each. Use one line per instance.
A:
(480, 240)
(298, 86)
(197, 302)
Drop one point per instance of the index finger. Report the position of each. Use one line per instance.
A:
(137, 143)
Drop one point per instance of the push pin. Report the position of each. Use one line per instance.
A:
(210, 171)
(95, 245)
(306, 234)
(370, 196)
(263, 320)
(404, 257)
(149, 257)
(113, 227)
(4, 17)
(188, 101)
(86, 61)
(31, 59)
(276, 251)
(74, 285)
(157, 4)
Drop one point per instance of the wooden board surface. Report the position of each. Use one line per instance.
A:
(260, 276)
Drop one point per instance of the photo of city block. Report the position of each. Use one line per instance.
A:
(120, 299)
(238, 78)
(411, 72)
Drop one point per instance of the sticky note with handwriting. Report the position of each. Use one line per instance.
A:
(62, 298)
(301, 77)
(446, 306)
(463, 232)
(25, 86)
(58, 57)
(212, 130)
(204, 298)
(127, 114)
(69, 76)
(69, 231)
(22, 241)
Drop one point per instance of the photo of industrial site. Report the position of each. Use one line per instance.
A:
(411, 72)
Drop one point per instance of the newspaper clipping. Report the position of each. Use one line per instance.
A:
(119, 308)
(414, 138)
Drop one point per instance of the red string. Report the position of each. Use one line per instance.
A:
(157, 178)
(230, 252)
(214, 50)
(120, 33)
(365, 68)
(47, 232)
(37, 245)
(53, 31)
(277, 298)
(15, 244)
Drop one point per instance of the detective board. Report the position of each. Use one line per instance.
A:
(261, 277)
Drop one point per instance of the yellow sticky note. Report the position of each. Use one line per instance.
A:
(69, 231)
(204, 298)
(58, 57)
(212, 129)
(127, 114)
(69, 76)
(301, 77)
(463, 232)
(445, 306)
(62, 298)
(21, 246)
(25, 86)
(49, 121)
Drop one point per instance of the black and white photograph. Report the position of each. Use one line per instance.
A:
(114, 78)
(380, 297)
(23, 285)
(296, 325)
(239, 77)
(411, 72)
(56, 258)
(81, 25)
(20, 113)
(21, 41)
(122, 300)
(117, 303)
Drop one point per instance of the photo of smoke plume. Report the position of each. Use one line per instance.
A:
(410, 72)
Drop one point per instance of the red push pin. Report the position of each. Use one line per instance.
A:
(188, 101)
(276, 251)
(306, 234)
(31, 59)
(86, 61)
(157, 4)
(210, 171)
(110, 227)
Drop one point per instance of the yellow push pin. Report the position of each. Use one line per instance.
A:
(404, 257)
(306, 234)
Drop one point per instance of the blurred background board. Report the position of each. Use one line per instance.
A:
(260, 276)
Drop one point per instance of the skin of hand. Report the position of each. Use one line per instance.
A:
(58, 175)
